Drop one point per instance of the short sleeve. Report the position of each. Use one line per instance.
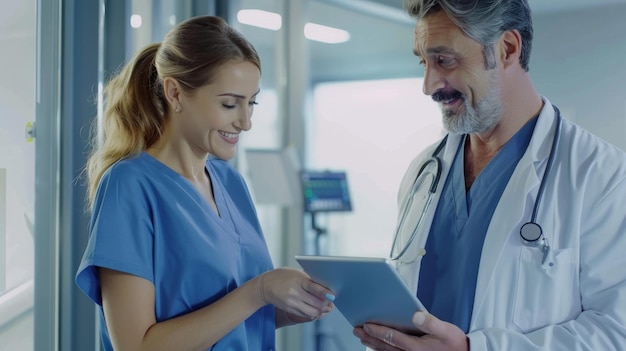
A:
(121, 232)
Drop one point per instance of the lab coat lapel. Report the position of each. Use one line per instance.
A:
(516, 200)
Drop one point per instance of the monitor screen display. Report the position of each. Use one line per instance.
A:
(325, 191)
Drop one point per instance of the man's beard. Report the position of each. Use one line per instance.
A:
(472, 120)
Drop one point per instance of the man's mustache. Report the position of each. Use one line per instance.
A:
(440, 96)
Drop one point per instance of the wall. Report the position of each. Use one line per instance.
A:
(578, 63)
(17, 107)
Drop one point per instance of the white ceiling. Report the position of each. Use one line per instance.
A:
(381, 41)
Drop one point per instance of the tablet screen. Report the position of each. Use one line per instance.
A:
(367, 289)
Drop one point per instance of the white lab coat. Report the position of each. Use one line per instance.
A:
(578, 303)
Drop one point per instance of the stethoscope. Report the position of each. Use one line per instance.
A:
(531, 232)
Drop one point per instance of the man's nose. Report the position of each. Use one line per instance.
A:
(433, 81)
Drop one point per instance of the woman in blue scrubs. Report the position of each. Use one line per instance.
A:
(176, 258)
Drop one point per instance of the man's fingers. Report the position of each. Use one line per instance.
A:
(389, 337)
(441, 336)
(446, 333)
(429, 324)
(382, 338)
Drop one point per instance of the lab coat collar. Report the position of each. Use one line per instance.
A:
(541, 141)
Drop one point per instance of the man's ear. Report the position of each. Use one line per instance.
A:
(171, 88)
(510, 48)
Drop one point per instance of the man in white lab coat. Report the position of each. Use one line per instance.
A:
(523, 246)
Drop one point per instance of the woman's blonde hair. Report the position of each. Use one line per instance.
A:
(134, 102)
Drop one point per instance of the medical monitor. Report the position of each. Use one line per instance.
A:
(325, 191)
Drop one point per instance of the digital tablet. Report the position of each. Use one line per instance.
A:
(367, 289)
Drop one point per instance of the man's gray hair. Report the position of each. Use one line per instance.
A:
(483, 21)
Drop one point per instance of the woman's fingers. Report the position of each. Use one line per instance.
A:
(293, 291)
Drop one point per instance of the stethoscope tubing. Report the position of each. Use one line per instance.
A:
(542, 186)
(431, 191)
(539, 239)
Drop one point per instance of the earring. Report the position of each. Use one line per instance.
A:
(178, 108)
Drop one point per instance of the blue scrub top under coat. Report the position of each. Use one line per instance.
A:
(151, 222)
(447, 278)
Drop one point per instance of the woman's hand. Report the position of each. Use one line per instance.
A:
(293, 292)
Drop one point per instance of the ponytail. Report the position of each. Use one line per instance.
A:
(133, 120)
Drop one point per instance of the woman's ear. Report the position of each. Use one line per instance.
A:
(510, 47)
(172, 93)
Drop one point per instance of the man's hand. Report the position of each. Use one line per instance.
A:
(439, 336)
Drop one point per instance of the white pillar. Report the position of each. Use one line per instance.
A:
(3, 229)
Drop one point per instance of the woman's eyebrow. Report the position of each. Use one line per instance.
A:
(238, 96)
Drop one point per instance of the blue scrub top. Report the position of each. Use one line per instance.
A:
(447, 278)
(150, 221)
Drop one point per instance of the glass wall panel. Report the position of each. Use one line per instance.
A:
(141, 24)
(372, 130)
(266, 123)
(150, 20)
(17, 163)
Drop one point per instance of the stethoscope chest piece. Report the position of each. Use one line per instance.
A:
(531, 233)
